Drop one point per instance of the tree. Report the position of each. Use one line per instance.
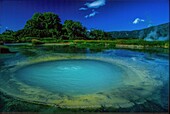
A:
(43, 25)
(99, 35)
(36, 22)
(49, 25)
(7, 36)
(8, 32)
(41, 21)
(52, 21)
(73, 30)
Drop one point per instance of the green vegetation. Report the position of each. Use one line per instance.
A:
(113, 43)
(4, 49)
(47, 28)
(73, 30)
(48, 25)
(36, 42)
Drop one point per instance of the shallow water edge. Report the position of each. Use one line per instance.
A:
(130, 102)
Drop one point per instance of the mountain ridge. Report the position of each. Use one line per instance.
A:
(159, 32)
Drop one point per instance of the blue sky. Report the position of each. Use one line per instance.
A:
(108, 15)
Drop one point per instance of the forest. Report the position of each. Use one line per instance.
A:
(43, 25)
(47, 28)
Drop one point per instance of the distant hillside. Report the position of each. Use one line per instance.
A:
(159, 32)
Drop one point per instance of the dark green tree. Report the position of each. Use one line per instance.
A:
(36, 22)
(8, 32)
(52, 21)
(74, 30)
(99, 35)
(44, 24)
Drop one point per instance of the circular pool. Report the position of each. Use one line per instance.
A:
(78, 81)
(72, 76)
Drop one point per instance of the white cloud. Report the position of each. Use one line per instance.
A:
(91, 14)
(86, 16)
(137, 20)
(82, 8)
(95, 4)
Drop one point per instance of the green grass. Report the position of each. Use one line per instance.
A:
(91, 43)
(112, 43)
(4, 49)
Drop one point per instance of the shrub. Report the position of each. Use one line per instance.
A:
(36, 42)
(4, 49)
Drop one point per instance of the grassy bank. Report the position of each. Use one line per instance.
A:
(4, 49)
(113, 43)
(98, 45)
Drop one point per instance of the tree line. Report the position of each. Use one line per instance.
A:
(48, 24)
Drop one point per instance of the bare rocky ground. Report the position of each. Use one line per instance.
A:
(9, 104)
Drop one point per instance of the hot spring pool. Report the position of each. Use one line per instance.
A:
(112, 78)
(72, 76)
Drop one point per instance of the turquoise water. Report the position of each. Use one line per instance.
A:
(72, 76)
(110, 77)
